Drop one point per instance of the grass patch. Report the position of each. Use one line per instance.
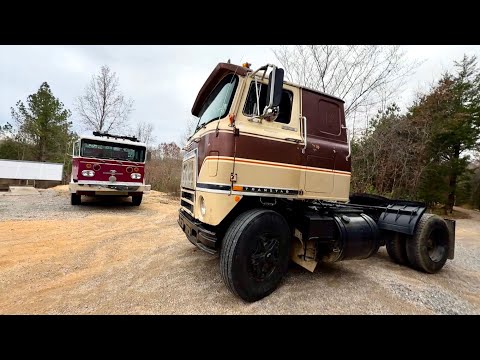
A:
(440, 211)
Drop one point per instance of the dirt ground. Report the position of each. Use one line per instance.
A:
(114, 258)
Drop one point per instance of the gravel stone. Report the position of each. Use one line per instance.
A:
(109, 257)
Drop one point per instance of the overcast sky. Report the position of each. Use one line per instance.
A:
(162, 80)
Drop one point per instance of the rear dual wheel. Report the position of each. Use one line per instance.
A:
(397, 248)
(427, 250)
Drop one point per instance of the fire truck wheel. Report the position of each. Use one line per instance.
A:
(428, 249)
(137, 199)
(75, 199)
(255, 253)
(397, 248)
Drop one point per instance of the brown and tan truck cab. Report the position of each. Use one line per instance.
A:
(266, 178)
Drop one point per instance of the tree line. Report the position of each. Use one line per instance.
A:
(42, 128)
(428, 152)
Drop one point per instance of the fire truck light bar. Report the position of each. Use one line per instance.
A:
(131, 138)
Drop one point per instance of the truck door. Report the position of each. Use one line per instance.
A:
(268, 152)
(323, 122)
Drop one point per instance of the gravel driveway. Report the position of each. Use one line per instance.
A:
(114, 258)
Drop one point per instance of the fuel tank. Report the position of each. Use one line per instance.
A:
(342, 236)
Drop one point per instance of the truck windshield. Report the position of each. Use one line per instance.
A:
(218, 102)
(103, 150)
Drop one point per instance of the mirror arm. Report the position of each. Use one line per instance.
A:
(264, 67)
(271, 92)
(258, 97)
(271, 99)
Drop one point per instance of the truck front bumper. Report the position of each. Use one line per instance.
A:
(104, 189)
(202, 238)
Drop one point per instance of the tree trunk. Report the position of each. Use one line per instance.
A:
(39, 151)
(453, 180)
(43, 156)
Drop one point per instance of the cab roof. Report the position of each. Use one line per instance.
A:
(113, 140)
(223, 69)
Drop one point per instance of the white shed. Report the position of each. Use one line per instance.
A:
(30, 170)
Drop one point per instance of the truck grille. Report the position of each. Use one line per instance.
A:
(187, 200)
(187, 206)
(189, 170)
(187, 195)
(189, 179)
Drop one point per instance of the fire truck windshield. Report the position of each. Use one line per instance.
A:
(106, 150)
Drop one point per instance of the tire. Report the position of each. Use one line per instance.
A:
(255, 254)
(137, 199)
(75, 199)
(427, 251)
(396, 244)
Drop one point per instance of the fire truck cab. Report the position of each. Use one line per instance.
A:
(105, 164)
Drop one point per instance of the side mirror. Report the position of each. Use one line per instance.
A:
(275, 88)
(149, 155)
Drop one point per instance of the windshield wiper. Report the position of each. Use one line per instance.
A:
(199, 126)
(204, 125)
(112, 158)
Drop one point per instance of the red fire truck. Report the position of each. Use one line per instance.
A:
(105, 164)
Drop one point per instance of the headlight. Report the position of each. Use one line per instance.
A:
(88, 173)
(203, 209)
(135, 175)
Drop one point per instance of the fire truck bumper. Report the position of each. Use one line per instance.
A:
(107, 189)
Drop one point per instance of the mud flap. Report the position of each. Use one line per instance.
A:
(451, 238)
(303, 254)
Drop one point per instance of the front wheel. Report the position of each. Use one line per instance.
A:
(137, 199)
(255, 252)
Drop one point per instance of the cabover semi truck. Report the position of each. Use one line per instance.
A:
(106, 164)
(266, 178)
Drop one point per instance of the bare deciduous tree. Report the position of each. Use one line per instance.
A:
(144, 132)
(103, 107)
(390, 159)
(365, 76)
(165, 168)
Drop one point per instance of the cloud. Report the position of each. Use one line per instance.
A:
(162, 80)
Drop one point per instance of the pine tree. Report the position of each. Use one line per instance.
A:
(44, 123)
